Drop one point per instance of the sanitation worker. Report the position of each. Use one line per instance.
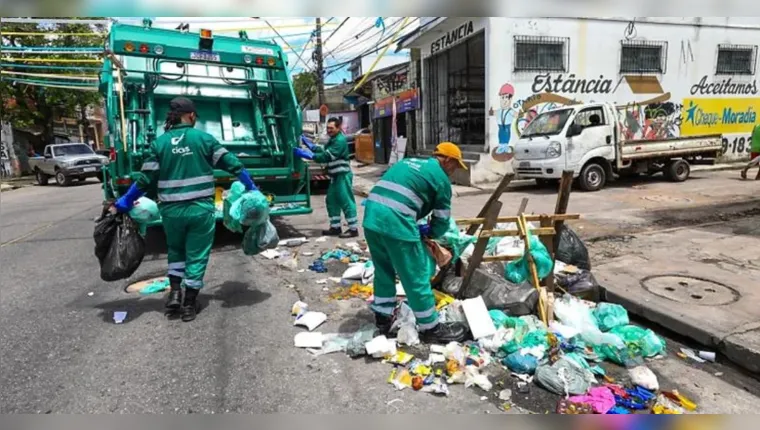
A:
(340, 193)
(182, 162)
(754, 155)
(409, 191)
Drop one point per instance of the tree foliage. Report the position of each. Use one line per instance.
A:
(305, 87)
(34, 106)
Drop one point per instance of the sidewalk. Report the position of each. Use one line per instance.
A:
(365, 177)
(15, 183)
(697, 281)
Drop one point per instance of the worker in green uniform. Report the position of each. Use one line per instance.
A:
(340, 193)
(182, 161)
(409, 191)
(754, 156)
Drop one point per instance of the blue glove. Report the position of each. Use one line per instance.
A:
(309, 144)
(246, 180)
(303, 153)
(424, 230)
(127, 201)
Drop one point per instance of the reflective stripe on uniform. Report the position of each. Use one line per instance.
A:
(337, 163)
(218, 155)
(175, 183)
(193, 283)
(404, 191)
(393, 204)
(190, 195)
(338, 170)
(178, 265)
(150, 165)
(330, 154)
(177, 273)
(425, 314)
(382, 310)
(352, 221)
(428, 326)
(442, 213)
(335, 218)
(381, 300)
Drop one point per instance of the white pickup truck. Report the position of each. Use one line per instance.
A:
(587, 139)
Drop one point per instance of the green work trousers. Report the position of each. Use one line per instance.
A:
(340, 198)
(410, 261)
(189, 229)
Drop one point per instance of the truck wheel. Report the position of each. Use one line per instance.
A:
(42, 179)
(677, 170)
(62, 179)
(593, 177)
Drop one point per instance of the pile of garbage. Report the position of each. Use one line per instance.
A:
(249, 209)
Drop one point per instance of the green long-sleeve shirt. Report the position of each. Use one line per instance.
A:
(406, 193)
(182, 161)
(755, 145)
(335, 154)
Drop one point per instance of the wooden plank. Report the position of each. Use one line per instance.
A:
(480, 247)
(523, 206)
(530, 218)
(523, 226)
(547, 231)
(495, 196)
(548, 241)
(491, 258)
(563, 199)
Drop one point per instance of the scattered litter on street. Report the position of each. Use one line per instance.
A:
(119, 317)
(322, 281)
(299, 308)
(310, 320)
(90, 294)
(155, 287)
(271, 254)
(689, 353)
(293, 242)
(354, 291)
(308, 339)
(321, 239)
(706, 355)
(478, 318)
(318, 266)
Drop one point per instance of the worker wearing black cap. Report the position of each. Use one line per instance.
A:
(182, 163)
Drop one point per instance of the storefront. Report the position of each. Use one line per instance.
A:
(394, 116)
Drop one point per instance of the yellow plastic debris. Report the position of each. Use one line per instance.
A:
(442, 299)
(401, 358)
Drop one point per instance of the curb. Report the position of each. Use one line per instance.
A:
(734, 346)
(718, 167)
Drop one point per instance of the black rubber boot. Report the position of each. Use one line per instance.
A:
(383, 324)
(189, 305)
(350, 233)
(174, 301)
(447, 332)
(332, 232)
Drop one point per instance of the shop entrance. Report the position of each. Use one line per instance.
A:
(454, 100)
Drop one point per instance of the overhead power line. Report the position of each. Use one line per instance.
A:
(44, 66)
(56, 21)
(371, 50)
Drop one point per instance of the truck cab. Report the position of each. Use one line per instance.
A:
(587, 139)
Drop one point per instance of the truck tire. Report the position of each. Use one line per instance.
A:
(62, 180)
(677, 170)
(593, 177)
(42, 179)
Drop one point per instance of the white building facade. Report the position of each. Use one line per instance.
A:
(485, 78)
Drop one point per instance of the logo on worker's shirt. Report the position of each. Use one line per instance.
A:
(185, 150)
(177, 140)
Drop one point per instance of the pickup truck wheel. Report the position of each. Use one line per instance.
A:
(677, 171)
(62, 179)
(42, 179)
(593, 177)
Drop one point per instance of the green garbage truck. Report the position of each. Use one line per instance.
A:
(241, 90)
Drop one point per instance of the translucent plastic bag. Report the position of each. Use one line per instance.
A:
(565, 377)
(573, 313)
(642, 340)
(145, 211)
(257, 239)
(455, 241)
(236, 191)
(609, 316)
(518, 271)
(251, 209)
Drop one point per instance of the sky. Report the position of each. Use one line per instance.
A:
(340, 44)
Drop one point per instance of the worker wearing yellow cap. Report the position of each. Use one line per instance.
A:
(409, 191)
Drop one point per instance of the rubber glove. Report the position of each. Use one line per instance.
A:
(127, 201)
(246, 180)
(303, 153)
(424, 230)
(309, 144)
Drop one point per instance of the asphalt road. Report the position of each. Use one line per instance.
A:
(62, 352)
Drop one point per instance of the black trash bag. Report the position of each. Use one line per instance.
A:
(582, 283)
(571, 249)
(119, 247)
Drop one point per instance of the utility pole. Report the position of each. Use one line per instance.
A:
(318, 59)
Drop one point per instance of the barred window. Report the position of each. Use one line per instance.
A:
(541, 53)
(643, 56)
(736, 60)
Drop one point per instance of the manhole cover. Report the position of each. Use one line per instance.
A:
(690, 290)
(139, 285)
(666, 199)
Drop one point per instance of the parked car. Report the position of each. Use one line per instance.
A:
(66, 162)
